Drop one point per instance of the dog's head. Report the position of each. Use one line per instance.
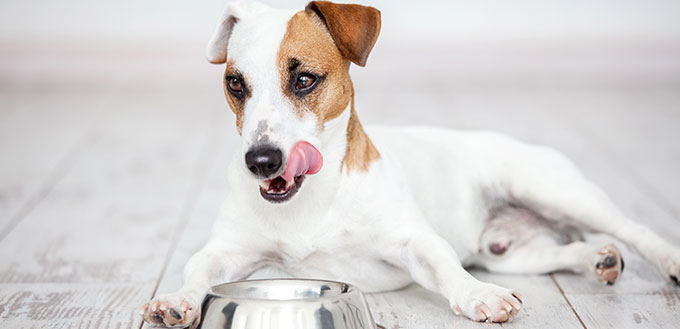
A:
(287, 80)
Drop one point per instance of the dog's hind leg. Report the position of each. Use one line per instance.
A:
(518, 241)
(536, 258)
(548, 183)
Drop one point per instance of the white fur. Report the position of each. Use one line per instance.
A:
(416, 214)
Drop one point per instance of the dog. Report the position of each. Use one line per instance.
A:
(316, 194)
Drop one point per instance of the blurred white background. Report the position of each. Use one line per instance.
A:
(457, 43)
(404, 21)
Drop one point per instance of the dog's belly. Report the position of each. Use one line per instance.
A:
(450, 177)
(370, 274)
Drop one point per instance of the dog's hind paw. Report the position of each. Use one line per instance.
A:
(172, 311)
(489, 303)
(609, 264)
(672, 269)
(667, 261)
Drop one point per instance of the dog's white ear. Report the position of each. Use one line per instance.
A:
(232, 13)
(217, 46)
(354, 28)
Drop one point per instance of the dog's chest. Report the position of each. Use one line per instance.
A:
(310, 247)
(344, 256)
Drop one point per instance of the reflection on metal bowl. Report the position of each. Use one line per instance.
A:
(285, 304)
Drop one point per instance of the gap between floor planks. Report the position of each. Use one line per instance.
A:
(73, 143)
(45, 282)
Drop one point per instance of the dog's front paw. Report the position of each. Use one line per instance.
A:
(488, 303)
(172, 311)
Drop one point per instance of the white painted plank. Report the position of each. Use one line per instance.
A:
(110, 220)
(69, 305)
(194, 234)
(40, 136)
(200, 221)
(618, 311)
(640, 132)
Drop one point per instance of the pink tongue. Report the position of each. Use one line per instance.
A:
(304, 159)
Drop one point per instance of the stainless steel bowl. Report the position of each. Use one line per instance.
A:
(285, 304)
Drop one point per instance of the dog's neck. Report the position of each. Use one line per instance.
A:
(349, 147)
(360, 151)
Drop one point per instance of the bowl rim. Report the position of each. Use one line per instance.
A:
(346, 289)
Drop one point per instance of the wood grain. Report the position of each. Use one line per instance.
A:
(638, 139)
(628, 311)
(37, 147)
(69, 305)
(109, 221)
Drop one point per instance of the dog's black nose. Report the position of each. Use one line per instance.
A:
(264, 161)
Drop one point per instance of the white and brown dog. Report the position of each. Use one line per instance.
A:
(313, 194)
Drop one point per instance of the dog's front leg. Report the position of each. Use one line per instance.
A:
(182, 308)
(434, 264)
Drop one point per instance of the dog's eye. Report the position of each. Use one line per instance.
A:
(304, 81)
(235, 85)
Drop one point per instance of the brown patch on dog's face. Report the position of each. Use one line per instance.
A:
(237, 91)
(314, 74)
(309, 50)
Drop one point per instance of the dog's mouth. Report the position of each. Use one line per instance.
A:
(303, 159)
(279, 190)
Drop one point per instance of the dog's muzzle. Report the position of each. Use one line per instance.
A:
(303, 159)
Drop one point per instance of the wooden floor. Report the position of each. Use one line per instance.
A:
(106, 188)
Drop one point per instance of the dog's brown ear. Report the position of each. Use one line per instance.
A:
(354, 28)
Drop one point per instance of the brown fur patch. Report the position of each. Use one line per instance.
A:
(360, 150)
(237, 105)
(308, 47)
